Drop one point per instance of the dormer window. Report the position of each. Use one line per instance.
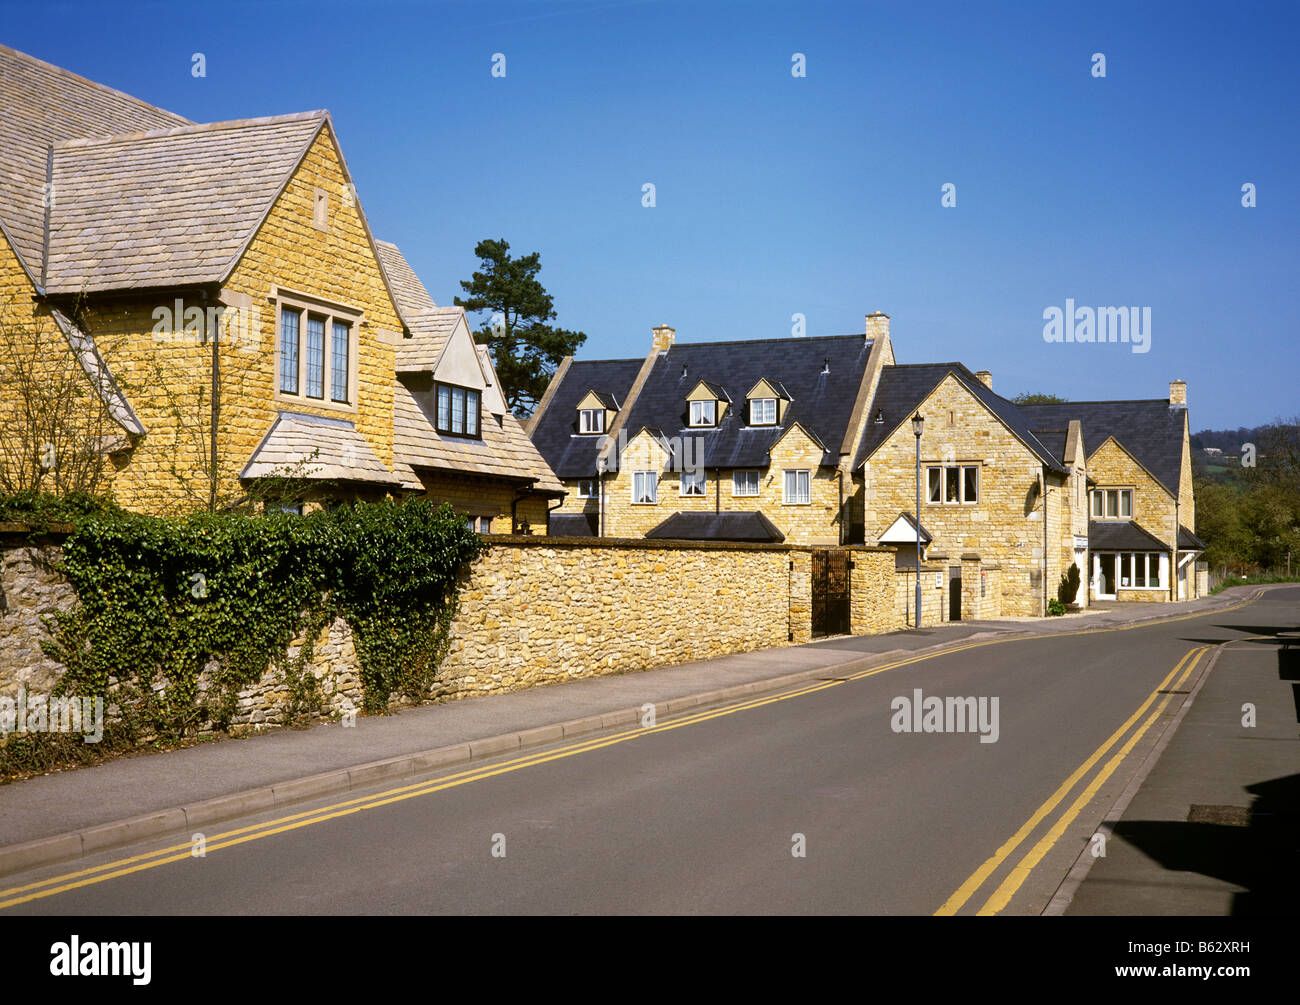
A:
(762, 411)
(704, 413)
(591, 420)
(458, 411)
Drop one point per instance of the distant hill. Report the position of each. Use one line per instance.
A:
(1227, 440)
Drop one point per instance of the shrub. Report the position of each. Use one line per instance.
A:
(162, 600)
(1055, 608)
(1069, 586)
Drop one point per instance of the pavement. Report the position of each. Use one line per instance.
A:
(1214, 828)
(67, 815)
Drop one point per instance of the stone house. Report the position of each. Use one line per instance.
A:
(220, 287)
(810, 441)
(740, 441)
(1012, 495)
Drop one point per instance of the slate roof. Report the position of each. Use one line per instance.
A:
(687, 526)
(1122, 535)
(574, 524)
(1150, 430)
(910, 520)
(820, 402)
(902, 389)
(1187, 541)
(42, 105)
(570, 454)
(341, 453)
(167, 208)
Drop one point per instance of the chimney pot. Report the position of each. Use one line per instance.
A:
(877, 325)
(1178, 393)
(985, 378)
(663, 337)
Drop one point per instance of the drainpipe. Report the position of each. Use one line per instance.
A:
(549, 511)
(1044, 540)
(1173, 565)
(840, 472)
(717, 490)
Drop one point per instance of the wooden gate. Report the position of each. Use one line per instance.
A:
(830, 591)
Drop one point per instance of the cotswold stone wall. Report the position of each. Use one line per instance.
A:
(531, 612)
(30, 589)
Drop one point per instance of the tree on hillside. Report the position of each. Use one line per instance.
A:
(1038, 398)
(525, 349)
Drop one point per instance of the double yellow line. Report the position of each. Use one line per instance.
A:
(1020, 872)
(229, 839)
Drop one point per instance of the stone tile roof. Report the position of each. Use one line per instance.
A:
(97, 370)
(1151, 430)
(430, 329)
(171, 207)
(411, 296)
(504, 451)
(299, 445)
(688, 526)
(45, 105)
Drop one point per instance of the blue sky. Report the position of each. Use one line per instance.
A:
(819, 195)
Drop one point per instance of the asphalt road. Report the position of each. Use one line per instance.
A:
(705, 813)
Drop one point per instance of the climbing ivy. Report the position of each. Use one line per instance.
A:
(175, 616)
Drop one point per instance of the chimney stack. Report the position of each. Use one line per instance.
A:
(663, 338)
(877, 325)
(1178, 394)
(985, 378)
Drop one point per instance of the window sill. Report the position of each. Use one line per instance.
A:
(301, 401)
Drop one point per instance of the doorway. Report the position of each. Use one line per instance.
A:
(1106, 586)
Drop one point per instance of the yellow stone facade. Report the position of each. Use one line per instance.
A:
(1004, 528)
(165, 371)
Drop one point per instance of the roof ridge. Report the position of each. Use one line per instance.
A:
(1099, 401)
(86, 80)
(196, 127)
(784, 338)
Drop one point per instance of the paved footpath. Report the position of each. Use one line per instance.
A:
(1214, 828)
(64, 815)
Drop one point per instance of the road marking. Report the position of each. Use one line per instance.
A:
(1002, 896)
(181, 852)
(977, 879)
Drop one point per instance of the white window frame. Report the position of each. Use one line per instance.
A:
(591, 421)
(741, 489)
(802, 487)
(590, 483)
(941, 472)
(306, 306)
(1152, 561)
(1101, 500)
(697, 479)
(698, 417)
(768, 404)
(647, 479)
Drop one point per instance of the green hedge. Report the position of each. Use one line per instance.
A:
(160, 599)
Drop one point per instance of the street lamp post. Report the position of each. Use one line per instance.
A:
(918, 424)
